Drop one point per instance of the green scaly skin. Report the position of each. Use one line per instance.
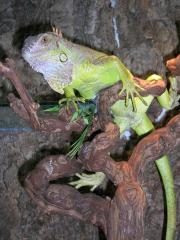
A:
(166, 173)
(67, 67)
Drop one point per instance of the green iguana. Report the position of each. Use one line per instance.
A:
(67, 67)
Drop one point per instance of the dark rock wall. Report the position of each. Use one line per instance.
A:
(142, 32)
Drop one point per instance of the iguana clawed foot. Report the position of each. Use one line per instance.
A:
(92, 180)
(72, 100)
(130, 87)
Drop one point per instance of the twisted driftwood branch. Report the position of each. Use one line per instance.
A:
(122, 217)
(109, 215)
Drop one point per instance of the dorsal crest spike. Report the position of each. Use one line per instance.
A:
(57, 31)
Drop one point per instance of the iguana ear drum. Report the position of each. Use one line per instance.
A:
(56, 31)
(63, 57)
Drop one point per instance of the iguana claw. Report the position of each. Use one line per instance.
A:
(73, 100)
(92, 180)
(130, 87)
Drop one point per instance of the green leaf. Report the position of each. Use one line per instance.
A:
(86, 120)
(55, 108)
(74, 116)
(86, 112)
(76, 146)
(125, 116)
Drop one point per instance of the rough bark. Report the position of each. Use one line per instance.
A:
(174, 65)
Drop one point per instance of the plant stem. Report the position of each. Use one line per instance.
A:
(168, 182)
(164, 100)
(145, 126)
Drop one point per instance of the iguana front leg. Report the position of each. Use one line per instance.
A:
(70, 97)
(130, 87)
(118, 72)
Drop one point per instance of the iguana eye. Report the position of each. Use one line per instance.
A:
(44, 40)
(63, 57)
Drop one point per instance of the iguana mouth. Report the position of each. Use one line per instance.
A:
(29, 44)
(27, 50)
(27, 55)
(31, 52)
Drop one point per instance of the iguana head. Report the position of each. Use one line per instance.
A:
(49, 53)
(39, 51)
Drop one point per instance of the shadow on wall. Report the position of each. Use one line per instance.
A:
(177, 50)
(178, 33)
(3, 55)
(37, 157)
(33, 29)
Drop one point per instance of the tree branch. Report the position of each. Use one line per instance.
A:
(95, 156)
(174, 65)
